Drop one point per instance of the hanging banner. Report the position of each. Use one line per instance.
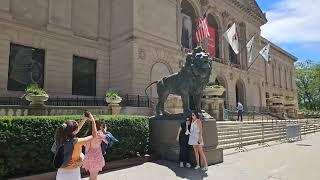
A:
(212, 41)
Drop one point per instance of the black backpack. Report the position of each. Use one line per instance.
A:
(58, 157)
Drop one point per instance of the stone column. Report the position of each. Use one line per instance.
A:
(5, 9)
(243, 42)
(225, 45)
(104, 19)
(60, 16)
(179, 23)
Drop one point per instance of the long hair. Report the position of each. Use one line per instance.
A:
(65, 132)
(195, 113)
(98, 125)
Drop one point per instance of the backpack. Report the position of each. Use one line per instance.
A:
(111, 140)
(58, 157)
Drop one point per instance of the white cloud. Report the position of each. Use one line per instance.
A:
(293, 21)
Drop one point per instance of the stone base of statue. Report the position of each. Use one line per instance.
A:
(163, 133)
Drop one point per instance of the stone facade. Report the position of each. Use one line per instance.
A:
(137, 42)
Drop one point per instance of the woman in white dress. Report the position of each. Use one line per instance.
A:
(196, 140)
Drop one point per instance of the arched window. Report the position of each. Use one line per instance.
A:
(188, 25)
(240, 92)
(222, 81)
(213, 41)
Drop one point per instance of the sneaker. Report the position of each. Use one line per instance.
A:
(188, 165)
(181, 164)
(205, 169)
(197, 167)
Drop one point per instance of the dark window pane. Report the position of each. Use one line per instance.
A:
(26, 66)
(84, 76)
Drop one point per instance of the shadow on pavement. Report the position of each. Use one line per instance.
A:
(186, 173)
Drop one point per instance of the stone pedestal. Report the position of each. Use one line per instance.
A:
(214, 106)
(37, 110)
(114, 108)
(163, 140)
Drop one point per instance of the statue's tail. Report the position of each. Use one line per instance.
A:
(145, 91)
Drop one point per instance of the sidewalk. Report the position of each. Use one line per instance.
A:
(287, 161)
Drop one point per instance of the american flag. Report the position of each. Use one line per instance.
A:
(202, 29)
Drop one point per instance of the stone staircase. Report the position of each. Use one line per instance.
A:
(253, 116)
(239, 134)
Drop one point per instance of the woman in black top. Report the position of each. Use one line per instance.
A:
(183, 138)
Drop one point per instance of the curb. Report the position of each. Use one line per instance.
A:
(110, 166)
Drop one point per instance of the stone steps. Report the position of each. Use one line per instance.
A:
(228, 132)
(256, 132)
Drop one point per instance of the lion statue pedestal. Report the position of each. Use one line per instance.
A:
(188, 83)
(163, 135)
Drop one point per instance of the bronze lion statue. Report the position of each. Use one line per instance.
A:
(188, 82)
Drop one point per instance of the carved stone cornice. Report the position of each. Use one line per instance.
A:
(249, 11)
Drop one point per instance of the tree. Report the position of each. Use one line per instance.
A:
(308, 83)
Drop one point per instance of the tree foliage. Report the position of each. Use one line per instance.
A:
(308, 83)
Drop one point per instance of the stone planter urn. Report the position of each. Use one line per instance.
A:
(37, 100)
(113, 104)
(213, 91)
(115, 100)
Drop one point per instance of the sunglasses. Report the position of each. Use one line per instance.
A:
(193, 115)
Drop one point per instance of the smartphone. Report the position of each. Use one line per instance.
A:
(86, 113)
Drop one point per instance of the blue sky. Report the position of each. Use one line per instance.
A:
(294, 25)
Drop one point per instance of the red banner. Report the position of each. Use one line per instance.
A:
(212, 41)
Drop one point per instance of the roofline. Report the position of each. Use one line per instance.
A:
(279, 49)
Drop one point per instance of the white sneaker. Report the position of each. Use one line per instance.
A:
(205, 169)
(181, 164)
(188, 165)
(197, 167)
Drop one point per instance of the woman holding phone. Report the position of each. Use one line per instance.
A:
(196, 140)
(66, 137)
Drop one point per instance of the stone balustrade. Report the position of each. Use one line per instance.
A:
(12, 110)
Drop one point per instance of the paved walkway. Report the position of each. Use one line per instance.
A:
(287, 161)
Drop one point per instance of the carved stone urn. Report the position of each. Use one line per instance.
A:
(215, 90)
(37, 100)
(115, 100)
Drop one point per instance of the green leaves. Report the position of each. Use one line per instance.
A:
(26, 141)
(34, 89)
(308, 83)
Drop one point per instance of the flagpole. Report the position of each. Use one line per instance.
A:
(253, 61)
(245, 47)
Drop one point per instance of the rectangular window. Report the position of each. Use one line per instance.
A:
(83, 76)
(26, 66)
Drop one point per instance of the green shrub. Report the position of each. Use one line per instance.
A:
(34, 89)
(26, 141)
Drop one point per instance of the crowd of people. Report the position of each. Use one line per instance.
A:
(70, 156)
(68, 148)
